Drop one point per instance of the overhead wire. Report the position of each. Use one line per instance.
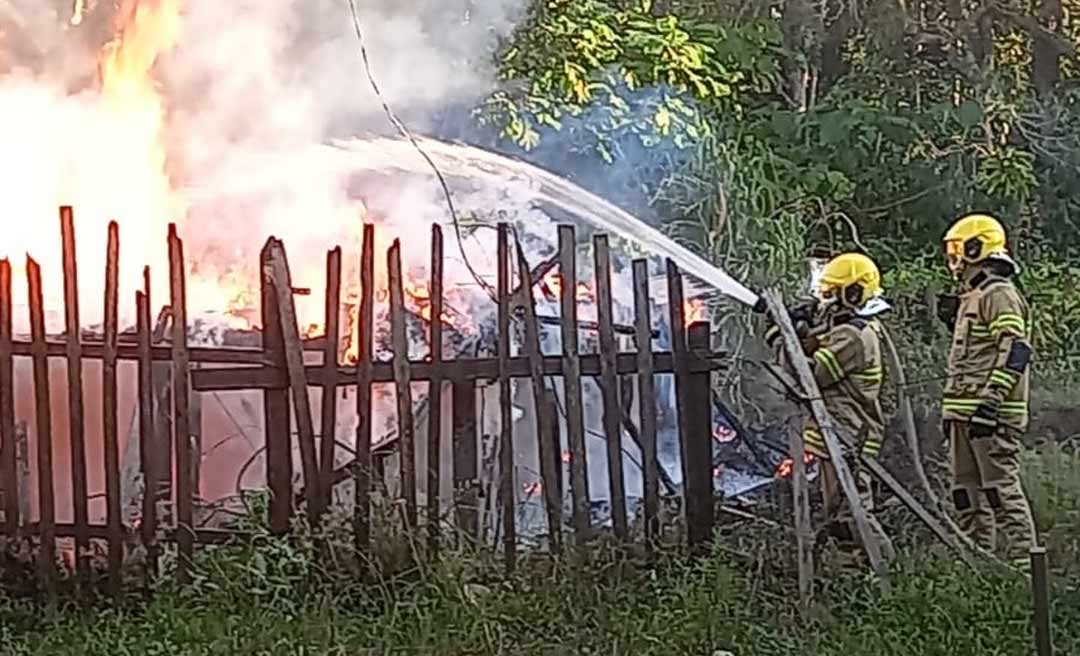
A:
(404, 131)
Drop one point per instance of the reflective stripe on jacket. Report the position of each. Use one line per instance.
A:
(990, 318)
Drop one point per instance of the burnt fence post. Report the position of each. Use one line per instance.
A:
(697, 428)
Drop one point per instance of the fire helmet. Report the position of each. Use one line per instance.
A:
(850, 278)
(975, 238)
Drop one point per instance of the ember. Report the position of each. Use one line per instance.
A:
(786, 467)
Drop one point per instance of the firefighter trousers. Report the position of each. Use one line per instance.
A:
(990, 502)
(837, 511)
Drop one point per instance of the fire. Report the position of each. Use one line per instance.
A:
(788, 465)
(552, 283)
(695, 310)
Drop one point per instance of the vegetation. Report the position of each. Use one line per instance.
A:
(755, 131)
(279, 596)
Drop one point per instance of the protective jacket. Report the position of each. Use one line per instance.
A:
(846, 362)
(988, 360)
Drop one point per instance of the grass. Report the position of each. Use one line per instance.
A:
(264, 599)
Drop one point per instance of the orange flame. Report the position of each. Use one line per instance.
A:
(787, 467)
(694, 310)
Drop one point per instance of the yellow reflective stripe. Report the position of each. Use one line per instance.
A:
(1013, 408)
(1004, 378)
(1007, 320)
(868, 376)
(980, 330)
(828, 360)
(871, 447)
(811, 436)
(961, 403)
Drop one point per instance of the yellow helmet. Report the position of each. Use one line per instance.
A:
(974, 238)
(851, 278)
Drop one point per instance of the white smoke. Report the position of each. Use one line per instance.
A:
(250, 90)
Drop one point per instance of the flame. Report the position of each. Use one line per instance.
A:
(551, 286)
(694, 310)
(788, 465)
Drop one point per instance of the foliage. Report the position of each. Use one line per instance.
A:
(282, 595)
(757, 134)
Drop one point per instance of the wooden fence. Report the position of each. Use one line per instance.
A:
(280, 370)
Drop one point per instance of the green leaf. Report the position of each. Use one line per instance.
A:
(969, 114)
(833, 128)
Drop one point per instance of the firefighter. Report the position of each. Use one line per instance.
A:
(985, 403)
(842, 338)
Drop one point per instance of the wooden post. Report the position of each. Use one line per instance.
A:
(362, 465)
(8, 471)
(434, 428)
(46, 497)
(328, 426)
(697, 430)
(609, 387)
(545, 448)
(795, 355)
(109, 411)
(804, 533)
(646, 400)
(682, 381)
(277, 419)
(22, 471)
(77, 430)
(281, 280)
(402, 382)
(1040, 590)
(148, 447)
(185, 527)
(575, 418)
(506, 437)
(551, 408)
(466, 475)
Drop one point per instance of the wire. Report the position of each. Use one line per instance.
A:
(405, 132)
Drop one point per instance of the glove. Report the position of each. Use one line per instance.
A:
(947, 307)
(984, 421)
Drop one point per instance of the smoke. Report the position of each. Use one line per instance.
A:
(247, 93)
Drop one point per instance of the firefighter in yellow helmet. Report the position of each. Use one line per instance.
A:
(842, 339)
(985, 403)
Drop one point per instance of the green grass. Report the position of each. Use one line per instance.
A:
(264, 599)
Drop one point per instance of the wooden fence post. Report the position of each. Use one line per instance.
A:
(281, 281)
(185, 527)
(277, 419)
(435, 385)
(402, 382)
(8, 471)
(609, 388)
(1040, 590)
(571, 362)
(545, 449)
(76, 425)
(698, 438)
(43, 412)
(365, 330)
(804, 535)
(646, 400)
(109, 411)
(506, 435)
(332, 342)
(148, 446)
